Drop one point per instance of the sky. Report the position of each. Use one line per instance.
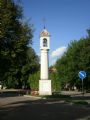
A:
(65, 20)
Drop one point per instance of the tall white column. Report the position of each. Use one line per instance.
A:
(44, 82)
(44, 65)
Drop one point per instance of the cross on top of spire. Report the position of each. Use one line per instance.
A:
(44, 20)
(44, 32)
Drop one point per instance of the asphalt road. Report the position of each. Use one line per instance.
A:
(30, 108)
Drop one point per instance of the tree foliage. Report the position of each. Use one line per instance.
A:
(34, 80)
(55, 82)
(76, 58)
(17, 57)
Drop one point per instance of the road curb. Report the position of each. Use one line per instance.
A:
(32, 96)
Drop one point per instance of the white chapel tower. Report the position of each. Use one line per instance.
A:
(44, 83)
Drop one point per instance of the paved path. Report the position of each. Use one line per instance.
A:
(30, 108)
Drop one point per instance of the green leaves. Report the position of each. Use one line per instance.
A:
(17, 57)
(75, 59)
(34, 80)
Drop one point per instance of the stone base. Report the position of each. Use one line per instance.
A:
(45, 87)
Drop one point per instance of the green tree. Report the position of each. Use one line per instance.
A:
(34, 81)
(31, 66)
(56, 85)
(15, 42)
(75, 59)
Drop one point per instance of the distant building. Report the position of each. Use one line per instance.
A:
(52, 70)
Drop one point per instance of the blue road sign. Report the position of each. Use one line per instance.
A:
(82, 74)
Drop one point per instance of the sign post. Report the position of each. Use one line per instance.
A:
(82, 75)
(82, 88)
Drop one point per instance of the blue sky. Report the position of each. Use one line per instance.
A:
(66, 20)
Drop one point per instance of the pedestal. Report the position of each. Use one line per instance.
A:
(45, 87)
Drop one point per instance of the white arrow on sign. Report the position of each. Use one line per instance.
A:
(82, 74)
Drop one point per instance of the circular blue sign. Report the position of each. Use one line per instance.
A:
(82, 74)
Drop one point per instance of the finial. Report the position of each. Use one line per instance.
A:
(44, 20)
(44, 26)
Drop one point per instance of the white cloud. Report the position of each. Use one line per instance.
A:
(53, 62)
(59, 51)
